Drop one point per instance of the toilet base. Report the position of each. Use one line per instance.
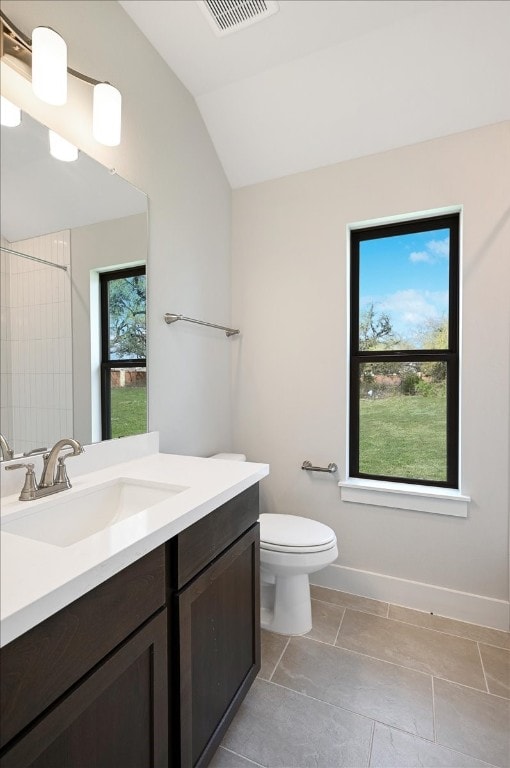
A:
(285, 605)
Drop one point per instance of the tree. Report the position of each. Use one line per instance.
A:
(376, 334)
(375, 331)
(127, 304)
(435, 336)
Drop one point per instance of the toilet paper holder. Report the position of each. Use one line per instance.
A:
(310, 467)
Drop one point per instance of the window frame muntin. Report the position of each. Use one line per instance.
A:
(108, 363)
(451, 355)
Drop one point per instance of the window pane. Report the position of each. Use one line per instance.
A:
(128, 401)
(126, 317)
(403, 291)
(402, 415)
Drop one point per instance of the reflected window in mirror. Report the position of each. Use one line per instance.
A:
(123, 352)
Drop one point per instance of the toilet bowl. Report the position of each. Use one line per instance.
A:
(291, 548)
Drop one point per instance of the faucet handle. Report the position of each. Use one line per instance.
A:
(61, 473)
(30, 467)
(30, 486)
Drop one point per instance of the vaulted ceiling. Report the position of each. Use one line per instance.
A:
(323, 81)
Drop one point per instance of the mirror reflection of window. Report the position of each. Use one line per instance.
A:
(123, 353)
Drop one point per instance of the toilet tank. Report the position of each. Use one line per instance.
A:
(229, 456)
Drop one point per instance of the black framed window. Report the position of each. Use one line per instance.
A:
(123, 352)
(404, 352)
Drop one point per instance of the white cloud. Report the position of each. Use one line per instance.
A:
(435, 250)
(411, 310)
(440, 247)
(421, 256)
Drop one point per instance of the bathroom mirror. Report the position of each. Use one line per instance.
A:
(83, 217)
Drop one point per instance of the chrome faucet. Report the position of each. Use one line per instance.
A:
(6, 451)
(54, 475)
(49, 476)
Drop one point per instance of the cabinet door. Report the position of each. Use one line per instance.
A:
(117, 717)
(39, 667)
(218, 621)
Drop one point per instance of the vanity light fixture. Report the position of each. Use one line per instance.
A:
(43, 59)
(106, 113)
(10, 114)
(61, 149)
(49, 66)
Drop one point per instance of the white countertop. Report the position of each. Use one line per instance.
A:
(38, 579)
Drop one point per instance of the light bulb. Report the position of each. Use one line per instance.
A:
(49, 66)
(106, 114)
(61, 149)
(10, 114)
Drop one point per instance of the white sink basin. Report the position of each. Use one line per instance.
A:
(67, 518)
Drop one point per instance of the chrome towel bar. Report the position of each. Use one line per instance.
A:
(310, 468)
(172, 318)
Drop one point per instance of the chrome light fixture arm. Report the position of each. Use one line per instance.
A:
(15, 43)
(30, 58)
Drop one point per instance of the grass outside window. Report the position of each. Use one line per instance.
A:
(128, 411)
(403, 436)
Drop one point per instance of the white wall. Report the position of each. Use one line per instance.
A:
(289, 297)
(166, 152)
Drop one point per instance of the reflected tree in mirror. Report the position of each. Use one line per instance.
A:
(126, 310)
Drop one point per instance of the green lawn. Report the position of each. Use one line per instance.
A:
(404, 436)
(129, 411)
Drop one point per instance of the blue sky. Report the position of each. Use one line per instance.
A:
(406, 276)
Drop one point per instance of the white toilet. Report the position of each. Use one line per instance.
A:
(291, 547)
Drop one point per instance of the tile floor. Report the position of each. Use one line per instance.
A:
(375, 686)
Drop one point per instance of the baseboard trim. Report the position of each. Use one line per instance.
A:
(451, 603)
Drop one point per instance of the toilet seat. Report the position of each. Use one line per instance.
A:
(293, 534)
(296, 550)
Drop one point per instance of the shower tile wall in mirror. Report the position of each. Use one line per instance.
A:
(37, 385)
(84, 217)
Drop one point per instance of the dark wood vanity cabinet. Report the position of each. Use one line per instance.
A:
(217, 632)
(117, 716)
(215, 628)
(148, 669)
(73, 688)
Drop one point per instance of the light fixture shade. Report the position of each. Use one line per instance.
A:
(49, 66)
(10, 114)
(106, 114)
(61, 149)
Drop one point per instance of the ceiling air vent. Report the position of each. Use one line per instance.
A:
(226, 16)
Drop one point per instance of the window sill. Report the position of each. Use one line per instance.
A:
(418, 498)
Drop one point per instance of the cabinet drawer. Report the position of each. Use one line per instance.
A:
(41, 665)
(193, 549)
